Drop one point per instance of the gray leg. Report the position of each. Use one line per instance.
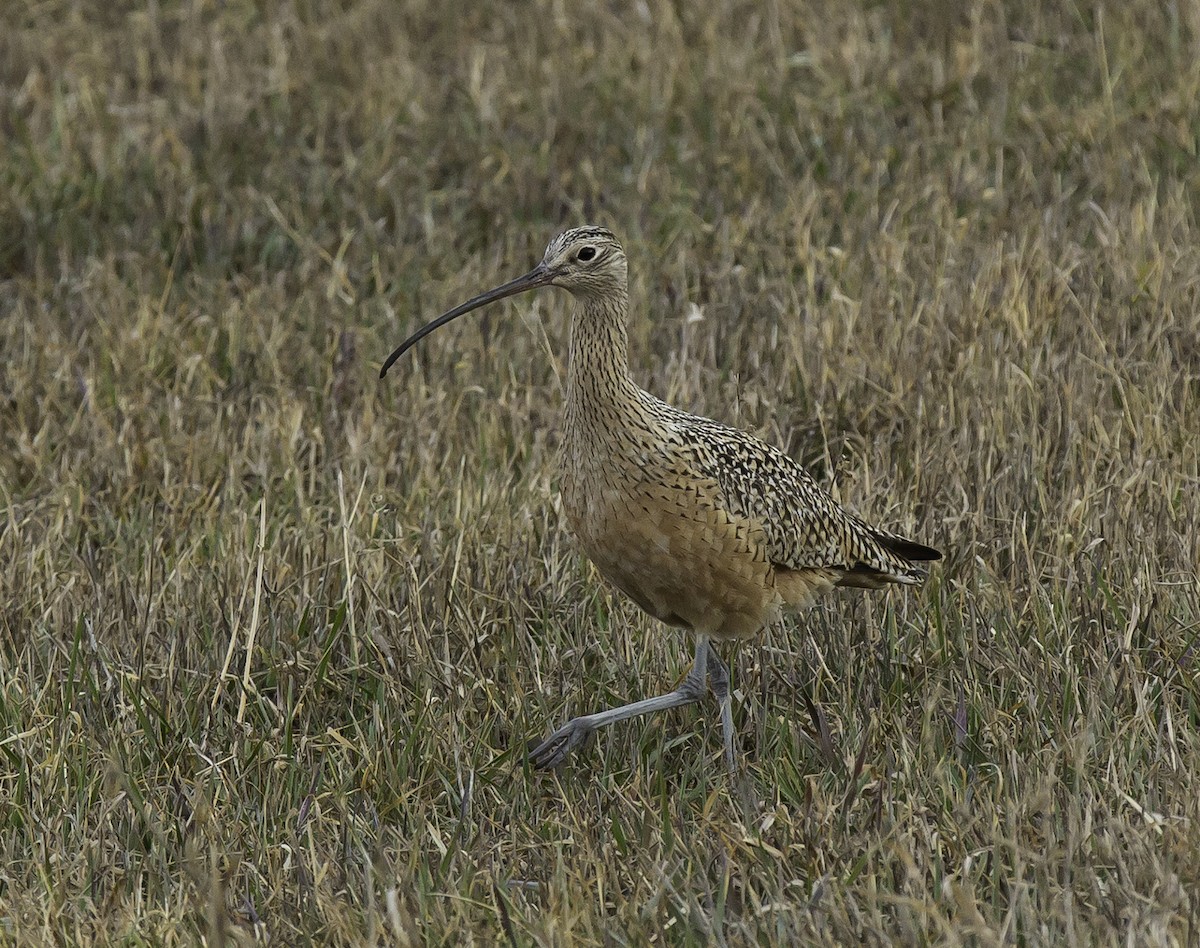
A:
(554, 749)
(718, 677)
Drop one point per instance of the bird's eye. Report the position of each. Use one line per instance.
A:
(586, 253)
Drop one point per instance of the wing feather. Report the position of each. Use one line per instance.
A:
(804, 527)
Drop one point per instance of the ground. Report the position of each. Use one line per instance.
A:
(274, 635)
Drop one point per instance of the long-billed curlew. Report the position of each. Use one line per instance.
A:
(704, 526)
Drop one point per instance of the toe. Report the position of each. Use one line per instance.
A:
(554, 749)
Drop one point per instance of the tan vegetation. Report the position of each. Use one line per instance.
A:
(273, 636)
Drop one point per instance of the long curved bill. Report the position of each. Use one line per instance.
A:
(538, 276)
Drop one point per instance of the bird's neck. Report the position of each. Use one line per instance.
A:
(599, 388)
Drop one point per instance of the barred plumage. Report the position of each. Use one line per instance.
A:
(804, 527)
(704, 526)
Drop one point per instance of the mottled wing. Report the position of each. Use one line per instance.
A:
(805, 528)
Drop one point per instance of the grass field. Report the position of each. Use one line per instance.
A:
(273, 634)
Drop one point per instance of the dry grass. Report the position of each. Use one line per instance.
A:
(273, 635)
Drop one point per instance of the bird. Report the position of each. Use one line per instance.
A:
(704, 526)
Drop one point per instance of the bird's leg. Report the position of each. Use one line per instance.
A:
(718, 677)
(554, 749)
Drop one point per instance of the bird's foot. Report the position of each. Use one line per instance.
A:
(554, 749)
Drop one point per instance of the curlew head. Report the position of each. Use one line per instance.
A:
(587, 261)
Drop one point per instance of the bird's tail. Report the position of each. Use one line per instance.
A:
(897, 565)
